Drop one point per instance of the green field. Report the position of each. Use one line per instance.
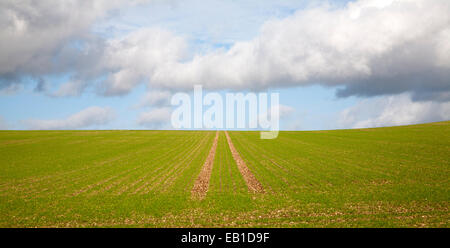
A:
(382, 177)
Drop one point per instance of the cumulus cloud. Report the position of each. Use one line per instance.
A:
(133, 58)
(368, 48)
(10, 89)
(70, 88)
(285, 110)
(392, 111)
(155, 118)
(125, 62)
(43, 37)
(88, 117)
(155, 98)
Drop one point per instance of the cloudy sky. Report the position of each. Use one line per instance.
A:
(114, 64)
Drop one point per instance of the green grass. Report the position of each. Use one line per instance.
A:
(226, 179)
(383, 177)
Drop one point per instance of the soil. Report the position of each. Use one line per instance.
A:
(201, 185)
(252, 183)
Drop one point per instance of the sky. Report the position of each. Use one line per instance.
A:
(114, 64)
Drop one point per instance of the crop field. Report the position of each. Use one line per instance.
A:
(381, 177)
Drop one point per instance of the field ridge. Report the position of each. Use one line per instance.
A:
(202, 183)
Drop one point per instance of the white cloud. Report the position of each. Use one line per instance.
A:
(42, 37)
(392, 111)
(134, 57)
(10, 89)
(155, 98)
(206, 23)
(155, 118)
(46, 23)
(70, 88)
(88, 117)
(285, 110)
(367, 47)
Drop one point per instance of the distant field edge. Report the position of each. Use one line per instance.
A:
(446, 122)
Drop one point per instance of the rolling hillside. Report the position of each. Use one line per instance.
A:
(382, 177)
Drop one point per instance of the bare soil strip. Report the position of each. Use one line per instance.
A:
(201, 185)
(252, 183)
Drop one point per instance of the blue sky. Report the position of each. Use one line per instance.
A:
(112, 56)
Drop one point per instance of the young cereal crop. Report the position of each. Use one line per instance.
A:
(382, 177)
